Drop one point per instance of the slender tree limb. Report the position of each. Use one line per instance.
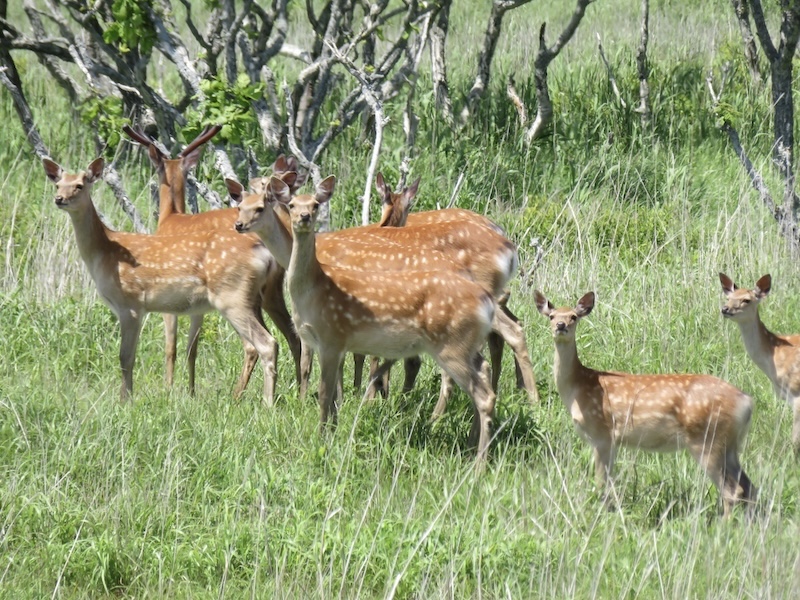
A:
(611, 79)
(642, 66)
(519, 105)
(438, 37)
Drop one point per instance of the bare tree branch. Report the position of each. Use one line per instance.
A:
(642, 66)
(611, 79)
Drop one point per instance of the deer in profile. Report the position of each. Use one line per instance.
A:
(778, 356)
(661, 413)
(398, 314)
(480, 258)
(192, 273)
(259, 213)
(173, 220)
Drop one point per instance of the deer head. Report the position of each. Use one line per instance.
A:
(304, 209)
(564, 321)
(73, 189)
(396, 206)
(742, 304)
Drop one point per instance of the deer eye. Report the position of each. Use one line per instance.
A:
(551, 317)
(259, 210)
(78, 186)
(745, 300)
(572, 318)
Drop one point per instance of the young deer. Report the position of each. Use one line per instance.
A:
(777, 355)
(401, 314)
(256, 214)
(191, 273)
(173, 220)
(396, 207)
(661, 413)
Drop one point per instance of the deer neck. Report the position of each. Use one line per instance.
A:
(567, 368)
(90, 233)
(760, 344)
(278, 237)
(304, 271)
(171, 198)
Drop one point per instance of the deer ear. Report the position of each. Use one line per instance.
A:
(585, 305)
(156, 157)
(53, 170)
(763, 286)
(542, 304)
(280, 165)
(289, 178)
(325, 189)
(190, 160)
(411, 191)
(728, 286)
(95, 170)
(235, 190)
(380, 184)
(277, 190)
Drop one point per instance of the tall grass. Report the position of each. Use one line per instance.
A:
(175, 496)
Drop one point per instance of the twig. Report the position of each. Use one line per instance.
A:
(611, 79)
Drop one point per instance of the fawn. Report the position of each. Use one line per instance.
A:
(661, 413)
(192, 273)
(777, 355)
(399, 314)
(173, 220)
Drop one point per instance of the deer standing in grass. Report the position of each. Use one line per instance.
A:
(663, 413)
(257, 213)
(777, 355)
(399, 314)
(396, 209)
(173, 220)
(191, 273)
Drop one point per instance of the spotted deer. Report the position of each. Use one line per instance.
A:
(256, 214)
(192, 273)
(777, 355)
(661, 413)
(338, 310)
(173, 220)
(396, 213)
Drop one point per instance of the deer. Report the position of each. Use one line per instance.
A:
(192, 273)
(258, 213)
(778, 356)
(661, 413)
(396, 213)
(173, 220)
(338, 310)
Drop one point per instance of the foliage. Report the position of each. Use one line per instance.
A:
(131, 27)
(229, 105)
(105, 116)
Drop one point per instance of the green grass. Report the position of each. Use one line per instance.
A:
(173, 496)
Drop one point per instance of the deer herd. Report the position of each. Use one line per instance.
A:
(414, 283)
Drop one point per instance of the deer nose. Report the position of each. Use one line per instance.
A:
(561, 326)
(59, 200)
(726, 310)
(239, 226)
(305, 217)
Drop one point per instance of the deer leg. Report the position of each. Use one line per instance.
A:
(496, 346)
(445, 390)
(604, 456)
(737, 485)
(470, 374)
(274, 304)
(412, 366)
(378, 378)
(170, 344)
(796, 428)
(330, 362)
(130, 326)
(249, 324)
(514, 336)
(306, 358)
(358, 371)
(196, 324)
(379, 373)
(249, 363)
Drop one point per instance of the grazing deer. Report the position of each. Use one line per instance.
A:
(661, 413)
(338, 310)
(173, 220)
(192, 273)
(396, 207)
(777, 355)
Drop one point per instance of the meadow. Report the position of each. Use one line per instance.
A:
(182, 497)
